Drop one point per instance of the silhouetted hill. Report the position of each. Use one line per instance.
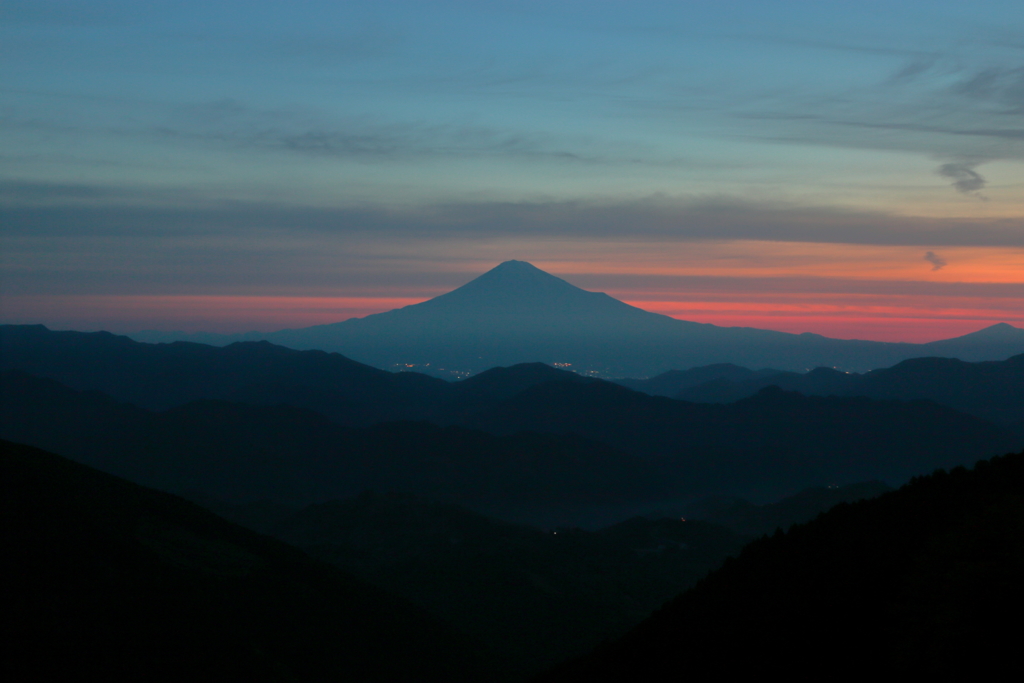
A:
(769, 445)
(994, 342)
(107, 580)
(498, 384)
(556, 443)
(923, 582)
(993, 390)
(517, 313)
(748, 519)
(817, 382)
(241, 452)
(673, 382)
(763, 446)
(161, 376)
(535, 597)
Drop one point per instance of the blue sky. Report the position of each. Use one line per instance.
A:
(392, 149)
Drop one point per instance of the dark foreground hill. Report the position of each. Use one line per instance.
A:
(920, 583)
(107, 580)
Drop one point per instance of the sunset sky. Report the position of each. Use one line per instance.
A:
(854, 169)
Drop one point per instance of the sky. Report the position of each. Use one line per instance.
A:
(854, 169)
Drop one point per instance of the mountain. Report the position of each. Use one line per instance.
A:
(535, 597)
(994, 342)
(109, 580)
(239, 452)
(769, 445)
(674, 382)
(568, 449)
(216, 407)
(162, 376)
(992, 390)
(917, 583)
(517, 313)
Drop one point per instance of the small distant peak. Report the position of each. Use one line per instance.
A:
(997, 331)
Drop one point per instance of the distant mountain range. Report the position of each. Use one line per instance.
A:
(254, 420)
(517, 313)
(993, 390)
(239, 452)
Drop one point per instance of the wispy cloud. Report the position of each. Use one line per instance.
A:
(999, 85)
(965, 178)
(938, 263)
(42, 210)
(932, 104)
(230, 124)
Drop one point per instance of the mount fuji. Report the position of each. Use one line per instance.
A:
(517, 313)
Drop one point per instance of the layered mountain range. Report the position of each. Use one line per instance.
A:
(292, 442)
(517, 313)
(257, 421)
(993, 390)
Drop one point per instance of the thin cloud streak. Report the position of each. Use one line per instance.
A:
(147, 214)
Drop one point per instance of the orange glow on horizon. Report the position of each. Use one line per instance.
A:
(878, 292)
(224, 314)
(750, 258)
(878, 323)
(909, 319)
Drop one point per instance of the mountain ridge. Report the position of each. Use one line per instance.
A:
(554, 445)
(517, 313)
